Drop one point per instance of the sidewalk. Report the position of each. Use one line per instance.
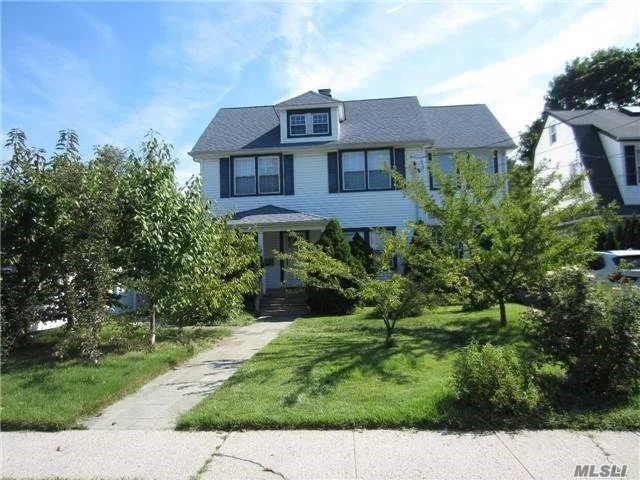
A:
(159, 403)
(370, 454)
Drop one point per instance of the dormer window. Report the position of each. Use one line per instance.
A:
(309, 123)
(320, 123)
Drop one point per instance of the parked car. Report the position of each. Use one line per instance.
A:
(617, 266)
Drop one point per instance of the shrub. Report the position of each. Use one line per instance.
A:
(363, 253)
(330, 301)
(490, 377)
(592, 330)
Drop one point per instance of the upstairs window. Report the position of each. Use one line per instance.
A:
(378, 165)
(320, 122)
(269, 174)
(353, 171)
(553, 135)
(445, 163)
(309, 123)
(632, 163)
(297, 125)
(244, 173)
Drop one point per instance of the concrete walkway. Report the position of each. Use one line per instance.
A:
(371, 454)
(159, 404)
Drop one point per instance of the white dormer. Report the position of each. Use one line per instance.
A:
(310, 117)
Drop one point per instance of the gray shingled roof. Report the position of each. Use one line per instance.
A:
(465, 126)
(272, 214)
(375, 121)
(308, 98)
(619, 125)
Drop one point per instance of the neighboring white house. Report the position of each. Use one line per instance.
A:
(603, 143)
(295, 165)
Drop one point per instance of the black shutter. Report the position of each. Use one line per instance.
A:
(630, 164)
(225, 190)
(288, 174)
(399, 162)
(496, 166)
(332, 168)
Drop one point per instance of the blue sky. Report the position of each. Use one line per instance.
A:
(112, 71)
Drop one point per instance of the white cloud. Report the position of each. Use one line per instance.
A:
(103, 31)
(318, 55)
(514, 88)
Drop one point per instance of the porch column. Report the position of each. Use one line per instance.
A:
(263, 280)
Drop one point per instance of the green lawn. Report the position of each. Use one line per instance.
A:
(334, 372)
(41, 393)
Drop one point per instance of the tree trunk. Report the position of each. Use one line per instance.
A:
(152, 325)
(503, 312)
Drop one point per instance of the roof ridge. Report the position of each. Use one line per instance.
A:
(250, 106)
(457, 105)
(383, 98)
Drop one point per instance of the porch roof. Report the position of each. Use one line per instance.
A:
(270, 217)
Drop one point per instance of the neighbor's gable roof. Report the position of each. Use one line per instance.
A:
(465, 126)
(376, 121)
(308, 98)
(615, 123)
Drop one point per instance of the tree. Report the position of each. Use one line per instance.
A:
(509, 241)
(362, 252)
(607, 78)
(28, 249)
(188, 264)
(322, 296)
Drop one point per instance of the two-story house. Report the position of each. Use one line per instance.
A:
(295, 165)
(603, 143)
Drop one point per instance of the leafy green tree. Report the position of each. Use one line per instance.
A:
(363, 253)
(188, 264)
(27, 247)
(331, 300)
(607, 78)
(509, 241)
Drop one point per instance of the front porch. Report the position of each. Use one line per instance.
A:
(272, 225)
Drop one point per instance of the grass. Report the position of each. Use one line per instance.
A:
(42, 393)
(334, 372)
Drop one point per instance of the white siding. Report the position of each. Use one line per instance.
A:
(615, 153)
(352, 209)
(563, 153)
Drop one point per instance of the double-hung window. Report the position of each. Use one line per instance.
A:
(320, 122)
(309, 123)
(244, 172)
(553, 134)
(378, 169)
(353, 171)
(445, 164)
(256, 175)
(269, 174)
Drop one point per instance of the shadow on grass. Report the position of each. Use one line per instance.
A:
(325, 352)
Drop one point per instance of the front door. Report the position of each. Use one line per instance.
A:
(288, 244)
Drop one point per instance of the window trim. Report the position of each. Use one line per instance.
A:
(235, 184)
(232, 170)
(637, 152)
(366, 170)
(258, 157)
(553, 133)
(308, 112)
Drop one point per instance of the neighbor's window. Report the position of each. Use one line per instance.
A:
(445, 163)
(244, 171)
(297, 124)
(553, 135)
(378, 164)
(353, 171)
(269, 174)
(638, 161)
(320, 122)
